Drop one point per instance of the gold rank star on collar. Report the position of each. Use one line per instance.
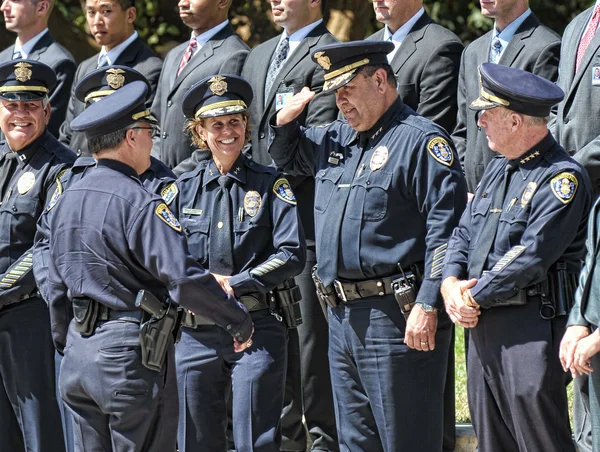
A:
(529, 157)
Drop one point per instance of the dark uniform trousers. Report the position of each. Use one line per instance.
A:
(370, 362)
(103, 373)
(516, 387)
(25, 332)
(207, 365)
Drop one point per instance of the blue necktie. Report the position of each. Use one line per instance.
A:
(496, 51)
(102, 61)
(220, 249)
(17, 55)
(279, 58)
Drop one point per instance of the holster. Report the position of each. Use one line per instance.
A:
(160, 327)
(85, 313)
(326, 294)
(285, 301)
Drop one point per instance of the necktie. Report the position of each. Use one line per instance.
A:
(588, 36)
(17, 55)
(279, 58)
(7, 169)
(496, 51)
(187, 55)
(220, 249)
(329, 251)
(102, 61)
(490, 227)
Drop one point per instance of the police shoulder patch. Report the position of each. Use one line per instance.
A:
(564, 186)
(282, 189)
(440, 150)
(163, 212)
(169, 193)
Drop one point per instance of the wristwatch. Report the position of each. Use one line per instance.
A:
(428, 308)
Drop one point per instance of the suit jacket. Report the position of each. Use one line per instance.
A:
(577, 122)
(224, 53)
(136, 55)
(534, 48)
(426, 67)
(298, 71)
(586, 310)
(52, 54)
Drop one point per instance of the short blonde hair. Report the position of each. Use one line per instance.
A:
(191, 125)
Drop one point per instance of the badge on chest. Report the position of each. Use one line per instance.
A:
(379, 157)
(26, 182)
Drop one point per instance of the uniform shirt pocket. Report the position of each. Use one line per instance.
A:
(196, 231)
(325, 184)
(512, 227)
(369, 197)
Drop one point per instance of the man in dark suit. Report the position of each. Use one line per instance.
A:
(576, 127)
(518, 40)
(111, 24)
(214, 48)
(276, 74)
(425, 60)
(29, 20)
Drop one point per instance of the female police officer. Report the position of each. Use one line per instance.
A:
(241, 222)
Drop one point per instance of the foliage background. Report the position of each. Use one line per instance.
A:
(159, 24)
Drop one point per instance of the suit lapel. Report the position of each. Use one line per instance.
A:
(409, 45)
(40, 47)
(201, 56)
(127, 56)
(172, 74)
(517, 42)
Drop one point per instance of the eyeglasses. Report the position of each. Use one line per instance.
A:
(155, 130)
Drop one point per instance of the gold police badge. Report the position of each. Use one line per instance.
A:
(323, 60)
(26, 181)
(528, 193)
(115, 78)
(22, 72)
(252, 202)
(379, 157)
(218, 85)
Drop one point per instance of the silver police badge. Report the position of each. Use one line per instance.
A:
(163, 212)
(379, 157)
(564, 187)
(252, 202)
(283, 191)
(440, 150)
(528, 193)
(26, 181)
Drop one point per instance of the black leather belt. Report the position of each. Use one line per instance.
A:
(254, 301)
(354, 290)
(105, 313)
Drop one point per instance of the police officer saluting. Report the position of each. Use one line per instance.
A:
(512, 266)
(389, 191)
(109, 239)
(30, 161)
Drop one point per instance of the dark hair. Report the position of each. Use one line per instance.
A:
(370, 69)
(125, 4)
(323, 6)
(107, 141)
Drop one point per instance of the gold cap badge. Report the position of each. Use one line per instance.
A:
(115, 78)
(218, 85)
(22, 72)
(323, 60)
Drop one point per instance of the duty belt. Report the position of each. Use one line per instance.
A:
(354, 290)
(254, 301)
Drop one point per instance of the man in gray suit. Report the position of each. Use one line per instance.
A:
(278, 69)
(111, 24)
(518, 40)
(577, 128)
(425, 60)
(214, 48)
(29, 20)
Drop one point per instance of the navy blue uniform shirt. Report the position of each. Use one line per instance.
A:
(543, 220)
(110, 238)
(269, 244)
(407, 193)
(26, 195)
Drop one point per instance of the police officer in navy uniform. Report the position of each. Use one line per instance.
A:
(512, 264)
(30, 160)
(389, 191)
(91, 88)
(109, 239)
(241, 221)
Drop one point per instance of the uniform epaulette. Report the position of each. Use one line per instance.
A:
(201, 166)
(259, 168)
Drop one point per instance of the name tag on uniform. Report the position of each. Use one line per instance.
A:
(187, 211)
(596, 76)
(283, 97)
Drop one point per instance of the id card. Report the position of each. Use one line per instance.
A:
(283, 97)
(596, 76)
